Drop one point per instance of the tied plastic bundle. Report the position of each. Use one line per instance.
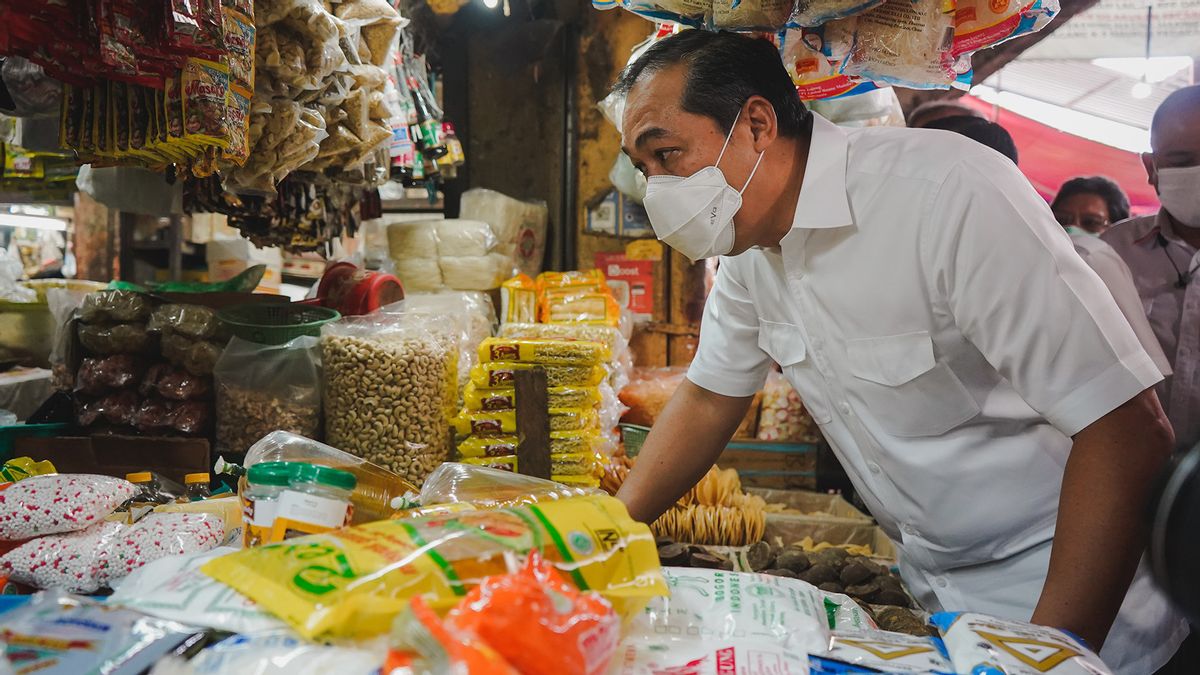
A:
(55, 503)
(383, 565)
(519, 226)
(531, 621)
(455, 253)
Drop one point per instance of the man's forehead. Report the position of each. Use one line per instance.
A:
(652, 100)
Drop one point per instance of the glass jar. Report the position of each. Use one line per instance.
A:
(196, 486)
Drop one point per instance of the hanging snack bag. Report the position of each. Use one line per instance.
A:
(479, 399)
(986, 645)
(205, 87)
(881, 651)
(818, 12)
(905, 42)
(239, 44)
(979, 24)
(353, 582)
(810, 57)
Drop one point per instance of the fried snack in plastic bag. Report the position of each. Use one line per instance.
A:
(353, 582)
(561, 443)
(120, 338)
(125, 306)
(505, 398)
(591, 280)
(505, 421)
(987, 645)
(881, 651)
(546, 352)
(561, 465)
(905, 43)
(539, 622)
(497, 374)
(818, 12)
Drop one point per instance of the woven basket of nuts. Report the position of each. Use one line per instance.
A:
(390, 389)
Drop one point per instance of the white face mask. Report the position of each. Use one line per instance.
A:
(694, 215)
(1179, 192)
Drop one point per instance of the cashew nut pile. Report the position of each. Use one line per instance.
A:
(245, 415)
(386, 400)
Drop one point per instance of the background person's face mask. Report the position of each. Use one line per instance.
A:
(1179, 192)
(694, 215)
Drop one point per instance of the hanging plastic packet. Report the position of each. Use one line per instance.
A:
(818, 12)
(751, 14)
(814, 61)
(239, 44)
(985, 645)
(505, 398)
(204, 89)
(498, 374)
(880, 651)
(422, 644)
(979, 24)
(61, 634)
(355, 581)
(906, 43)
(683, 12)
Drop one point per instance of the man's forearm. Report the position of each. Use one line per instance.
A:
(685, 441)
(1100, 533)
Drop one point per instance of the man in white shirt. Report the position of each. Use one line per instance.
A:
(974, 376)
(1163, 252)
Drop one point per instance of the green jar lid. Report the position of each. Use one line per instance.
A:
(324, 475)
(272, 473)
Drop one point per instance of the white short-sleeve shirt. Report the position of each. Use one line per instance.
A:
(943, 332)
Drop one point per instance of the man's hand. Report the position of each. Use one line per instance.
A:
(1100, 534)
(690, 433)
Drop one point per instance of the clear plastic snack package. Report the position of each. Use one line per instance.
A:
(986, 645)
(60, 634)
(378, 567)
(905, 43)
(264, 388)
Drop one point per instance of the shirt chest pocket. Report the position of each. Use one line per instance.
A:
(784, 343)
(904, 387)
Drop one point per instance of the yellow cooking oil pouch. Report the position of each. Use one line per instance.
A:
(353, 582)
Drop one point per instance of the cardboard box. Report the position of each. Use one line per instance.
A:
(767, 464)
(812, 504)
(113, 455)
(828, 518)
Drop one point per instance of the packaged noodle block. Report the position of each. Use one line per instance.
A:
(561, 442)
(518, 300)
(505, 421)
(549, 352)
(987, 645)
(496, 374)
(591, 280)
(571, 464)
(578, 306)
(505, 398)
(353, 582)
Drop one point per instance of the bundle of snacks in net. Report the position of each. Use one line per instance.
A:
(505, 421)
(382, 565)
(390, 387)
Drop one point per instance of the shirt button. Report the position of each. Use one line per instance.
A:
(910, 529)
(941, 582)
(845, 408)
(874, 467)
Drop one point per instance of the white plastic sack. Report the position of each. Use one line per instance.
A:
(458, 237)
(413, 240)
(174, 588)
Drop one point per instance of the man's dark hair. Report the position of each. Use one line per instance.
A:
(723, 71)
(1104, 188)
(988, 133)
(929, 111)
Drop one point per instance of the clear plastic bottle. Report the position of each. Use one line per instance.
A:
(265, 482)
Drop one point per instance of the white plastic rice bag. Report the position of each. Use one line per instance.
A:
(457, 237)
(475, 272)
(983, 644)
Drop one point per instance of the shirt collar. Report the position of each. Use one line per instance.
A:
(823, 202)
(1162, 225)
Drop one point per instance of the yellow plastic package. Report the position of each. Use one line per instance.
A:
(579, 306)
(570, 464)
(505, 398)
(561, 442)
(591, 280)
(20, 468)
(498, 374)
(546, 352)
(518, 300)
(505, 421)
(353, 582)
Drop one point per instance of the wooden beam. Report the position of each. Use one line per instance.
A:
(533, 423)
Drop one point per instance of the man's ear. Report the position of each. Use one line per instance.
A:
(1151, 170)
(763, 124)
